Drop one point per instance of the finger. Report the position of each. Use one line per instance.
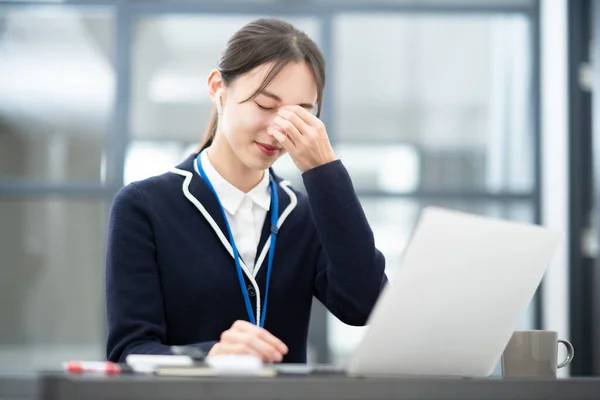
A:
(263, 333)
(304, 114)
(273, 340)
(236, 348)
(252, 339)
(240, 324)
(283, 139)
(298, 122)
(289, 128)
(273, 128)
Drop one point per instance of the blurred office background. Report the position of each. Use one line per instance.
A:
(482, 106)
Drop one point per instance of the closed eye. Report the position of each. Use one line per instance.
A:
(264, 108)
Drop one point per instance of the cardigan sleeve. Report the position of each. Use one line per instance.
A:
(350, 270)
(134, 302)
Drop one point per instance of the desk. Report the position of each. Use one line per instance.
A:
(18, 387)
(63, 387)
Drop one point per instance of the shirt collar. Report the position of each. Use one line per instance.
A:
(230, 196)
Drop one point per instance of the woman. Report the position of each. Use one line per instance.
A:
(221, 253)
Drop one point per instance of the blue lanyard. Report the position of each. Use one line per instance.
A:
(236, 256)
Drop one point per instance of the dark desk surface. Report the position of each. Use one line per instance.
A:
(58, 386)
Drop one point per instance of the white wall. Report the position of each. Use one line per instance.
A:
(554, 125)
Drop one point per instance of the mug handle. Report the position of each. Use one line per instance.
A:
(570, 353)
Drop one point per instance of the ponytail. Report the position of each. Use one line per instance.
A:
(211, 131)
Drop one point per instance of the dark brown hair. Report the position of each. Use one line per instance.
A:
(260, 42)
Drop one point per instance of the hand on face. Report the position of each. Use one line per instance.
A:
(303, 136)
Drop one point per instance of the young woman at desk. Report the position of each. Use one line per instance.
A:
(221, 253)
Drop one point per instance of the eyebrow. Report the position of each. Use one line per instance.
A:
(277, 98)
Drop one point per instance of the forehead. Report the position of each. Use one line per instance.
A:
(295, 84)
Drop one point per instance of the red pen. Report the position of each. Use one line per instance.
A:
(105, 367)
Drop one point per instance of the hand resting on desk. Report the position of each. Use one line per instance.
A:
(246, 338)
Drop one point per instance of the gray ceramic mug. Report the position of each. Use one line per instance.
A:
(533, 354)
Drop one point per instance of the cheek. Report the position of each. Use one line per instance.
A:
(249, 124)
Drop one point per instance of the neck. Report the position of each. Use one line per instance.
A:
(229, 166)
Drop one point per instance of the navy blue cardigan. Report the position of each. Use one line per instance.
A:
(171, 281)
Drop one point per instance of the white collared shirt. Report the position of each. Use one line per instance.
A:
(246, 212)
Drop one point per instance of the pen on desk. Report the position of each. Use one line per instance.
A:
(105, 367)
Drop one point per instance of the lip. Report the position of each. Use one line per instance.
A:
(267, 149)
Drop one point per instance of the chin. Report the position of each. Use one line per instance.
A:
(259, 162)
(261, 165)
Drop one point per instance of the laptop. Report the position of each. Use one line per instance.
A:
(463, 286)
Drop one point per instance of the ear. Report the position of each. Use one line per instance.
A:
(215, 88)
